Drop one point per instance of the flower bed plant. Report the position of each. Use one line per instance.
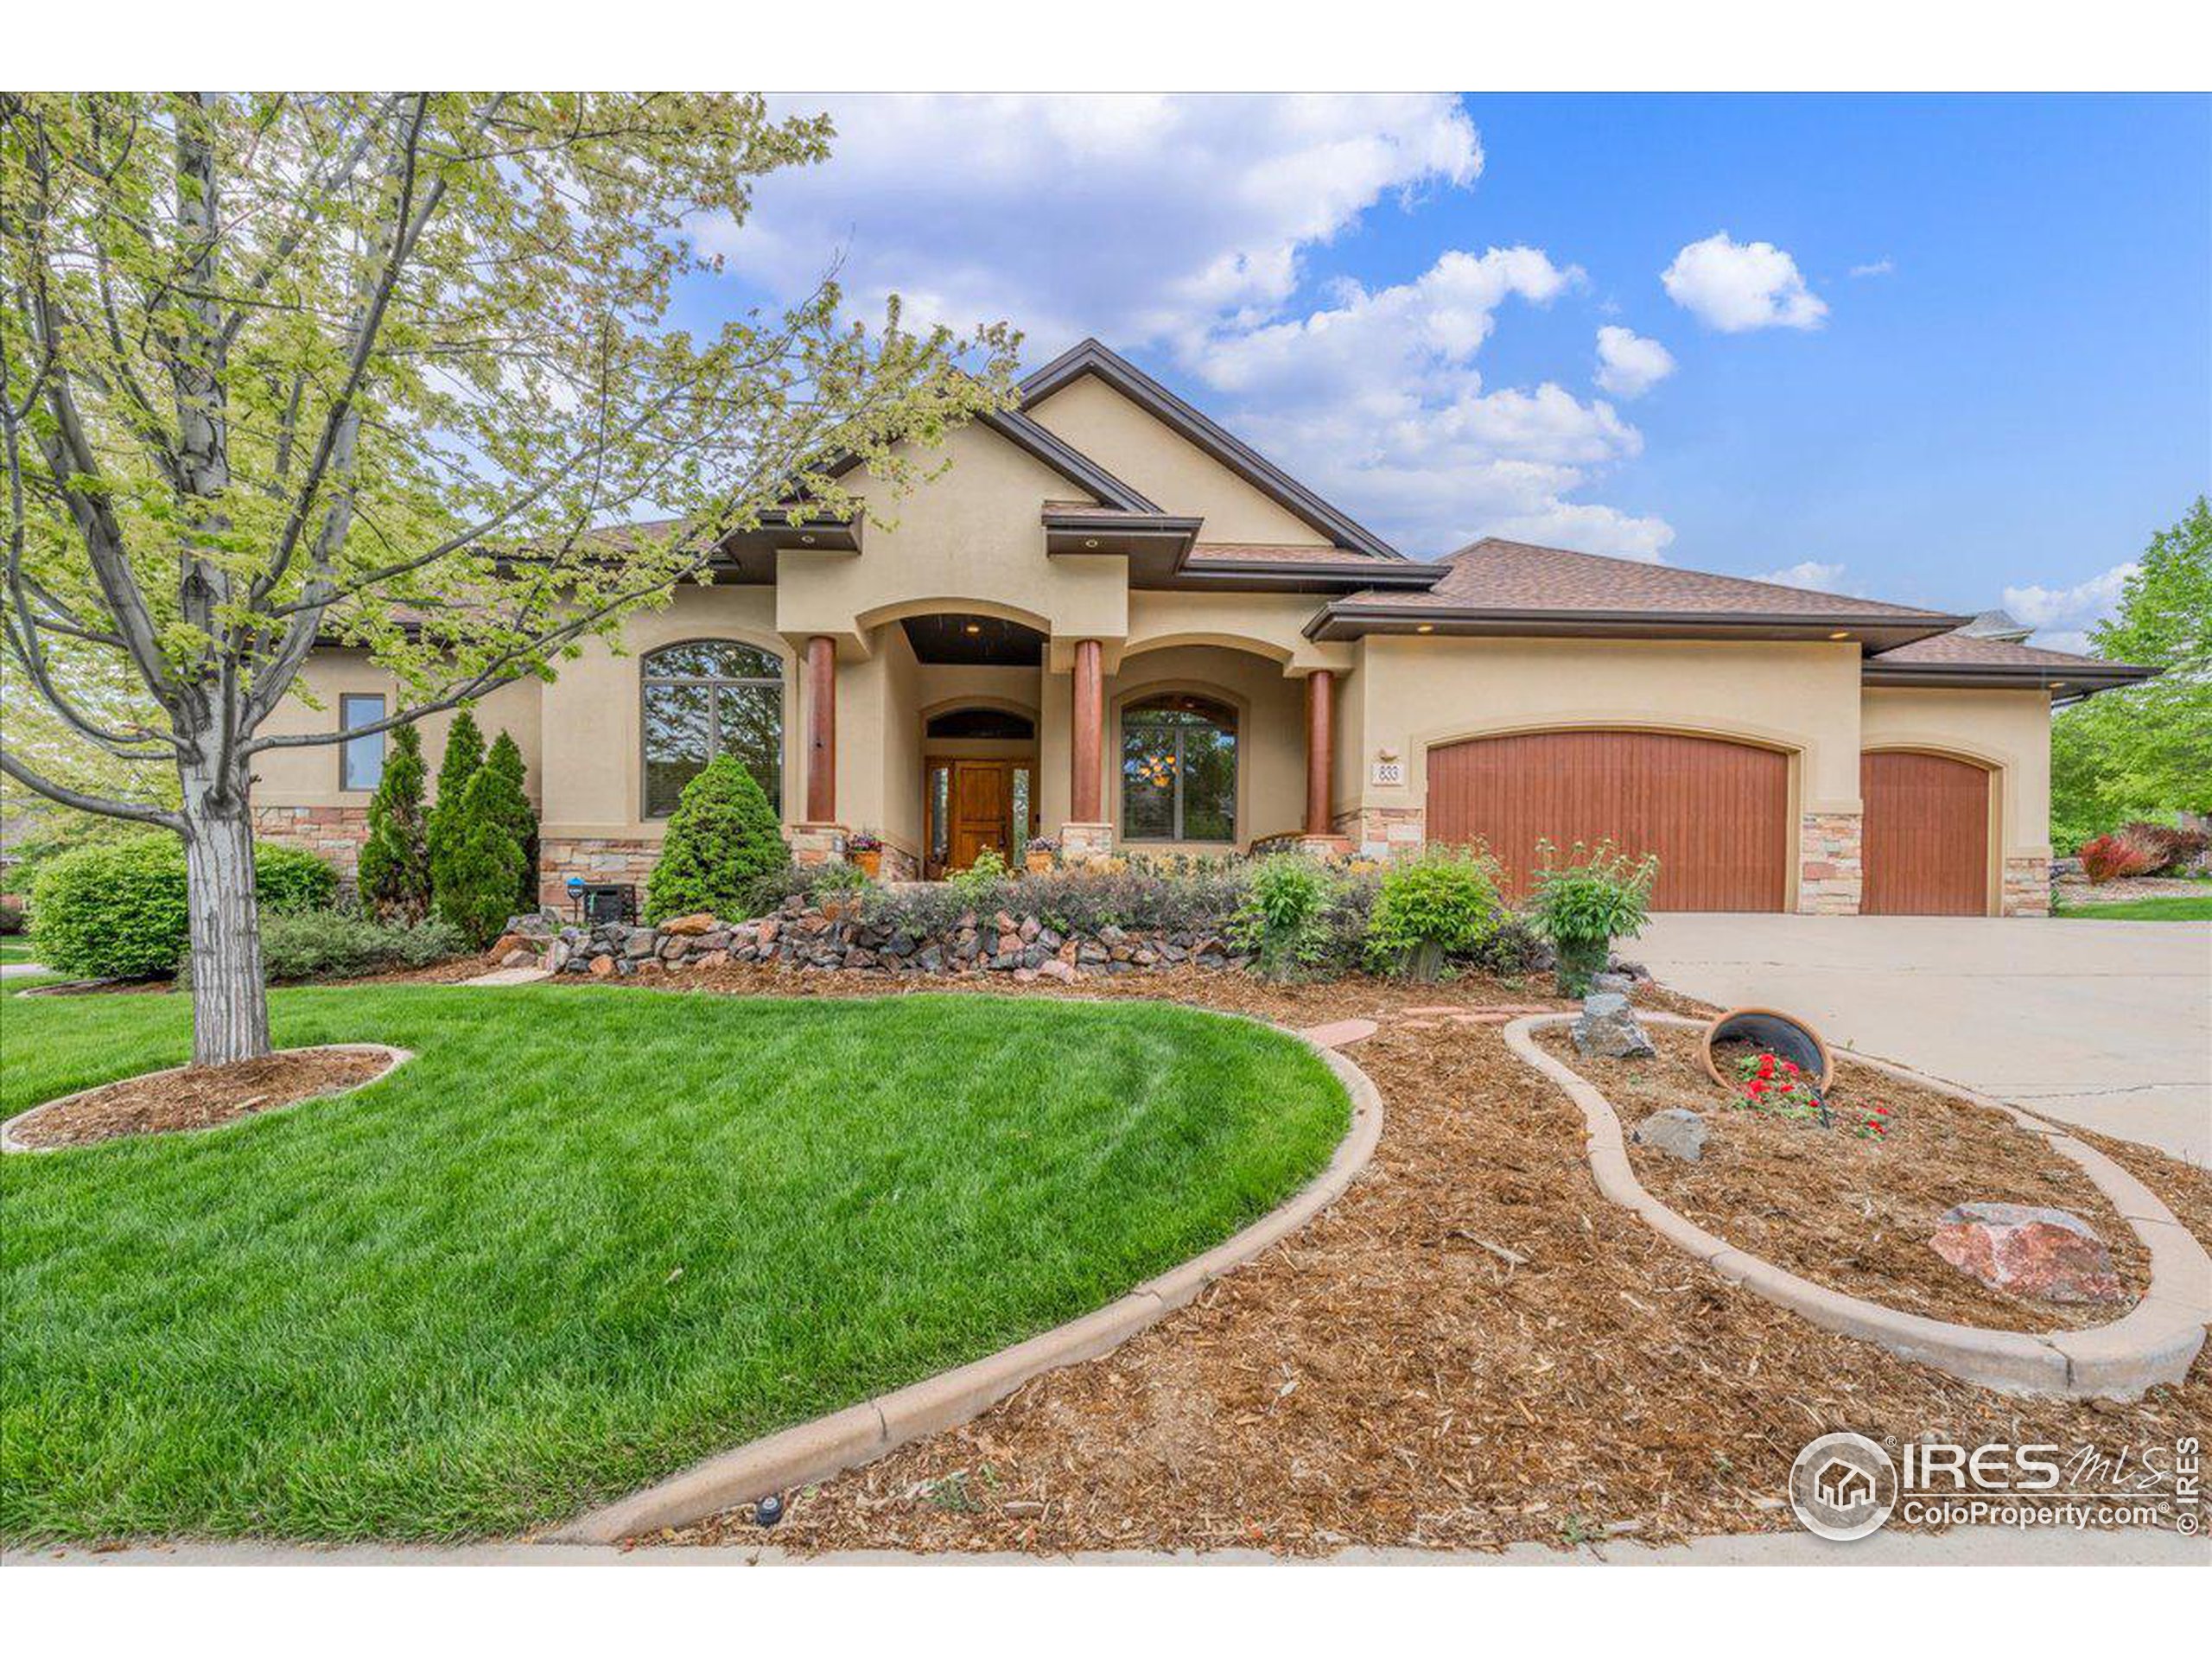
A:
(1600, 894)
(1781, 1089)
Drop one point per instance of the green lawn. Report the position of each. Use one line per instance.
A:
(585, 1238)
(15, 948)
(2176, 907)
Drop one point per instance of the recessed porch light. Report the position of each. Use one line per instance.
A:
(1841, 633)
(1091, 541)
(1426, 627)
(2058, 685)
(806, 540)
(974, 627)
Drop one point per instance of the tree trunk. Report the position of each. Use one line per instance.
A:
(230, 1003)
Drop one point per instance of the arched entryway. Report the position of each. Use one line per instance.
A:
(1716, 812)
(1926, 834)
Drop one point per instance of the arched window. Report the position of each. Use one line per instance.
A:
(707, 697)
(1179, 770)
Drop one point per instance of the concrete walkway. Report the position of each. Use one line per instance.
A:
(19, 969)
(1962, 1547)
(2107, 1025)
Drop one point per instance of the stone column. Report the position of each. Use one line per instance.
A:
(821, 730)
(1087, 838)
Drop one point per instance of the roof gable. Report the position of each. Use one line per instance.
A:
(1226, 450)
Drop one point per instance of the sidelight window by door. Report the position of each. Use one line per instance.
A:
(360, 758)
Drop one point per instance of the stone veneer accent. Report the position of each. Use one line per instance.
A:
(1384, 831)
(2027, 887)
(1831, 864)
(595, 859)
(817, 844)
(1086, 843)
(333, 832)
(898, 864)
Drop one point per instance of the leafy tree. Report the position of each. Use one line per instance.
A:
(278, 369)
(463, 757)
(394, 868)
(2144, 751)
(506, 759)
(484, 863)
(722, 837)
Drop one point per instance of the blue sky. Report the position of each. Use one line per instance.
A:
(1954, 351)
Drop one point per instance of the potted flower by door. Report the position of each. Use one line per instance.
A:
(866, 850)
(1042, 855)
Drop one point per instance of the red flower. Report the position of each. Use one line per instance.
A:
(1755, 1087)
(1790, 1067)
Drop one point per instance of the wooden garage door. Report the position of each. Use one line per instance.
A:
(1716, 813)
(1926, 835)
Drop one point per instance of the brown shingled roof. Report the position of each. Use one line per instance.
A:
(1493, 575)
(1274, 553)
(1971, 659)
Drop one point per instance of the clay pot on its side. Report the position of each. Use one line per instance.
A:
(1779, 1034)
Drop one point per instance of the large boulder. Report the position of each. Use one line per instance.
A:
(1608, 1029)
(2027, 1250)
(1678, 1132)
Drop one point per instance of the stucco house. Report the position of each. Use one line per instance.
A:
(1111, 621)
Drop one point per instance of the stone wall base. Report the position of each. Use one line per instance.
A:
(1086, 843)
(335, 833)
(1384, 831)
(898, 865)
(2027, 887)
(1831, 867)
(594, 858)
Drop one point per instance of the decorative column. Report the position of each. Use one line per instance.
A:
(1320, 767)
(820, 838)
(1087, 838)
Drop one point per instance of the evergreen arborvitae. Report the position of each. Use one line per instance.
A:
(464, 755)
(721, 838)
(394, 868)
(506, 759)
(483, 861)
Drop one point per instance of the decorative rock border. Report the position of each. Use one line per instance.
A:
(397, 1057)
(858, 1435)
(2154, 1343)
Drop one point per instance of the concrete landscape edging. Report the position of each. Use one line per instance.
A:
(395, 1057)
(2154, 1343)
(861, 1434)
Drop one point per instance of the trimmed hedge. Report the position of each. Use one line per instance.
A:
(118, 910)
(345, 945)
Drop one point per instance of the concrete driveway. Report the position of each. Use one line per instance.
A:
(2107, 1025)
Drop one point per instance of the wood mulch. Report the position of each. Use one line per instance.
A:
(1856, 1215)
(1470, 1348)
(200, 1097)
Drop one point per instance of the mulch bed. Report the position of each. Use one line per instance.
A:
(1856, 1215)
(199, 1097)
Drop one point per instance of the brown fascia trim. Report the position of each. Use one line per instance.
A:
(1470, 620)
(1200, 430)
(1404, 573)
(1087, 522)
(2083, 681)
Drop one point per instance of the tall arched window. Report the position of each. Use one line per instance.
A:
(707, 697)
(1179, 770)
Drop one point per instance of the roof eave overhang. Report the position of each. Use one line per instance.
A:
(2066, 684)
(1280, 576)
(1345, 621)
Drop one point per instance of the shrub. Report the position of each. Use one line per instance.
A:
(1582, 907)
(394, 868)
(2108, 858)
(1280, 917)
(345, 945)
(722, 839)
(464, 755)
(2175, 846)
(1439, 905)
(1512, 947)
(118, 910)
(483, 865)
(980, 882)
(510, 804)
(11, 915)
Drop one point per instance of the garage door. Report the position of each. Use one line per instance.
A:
(1716, 813)
(1926, 835)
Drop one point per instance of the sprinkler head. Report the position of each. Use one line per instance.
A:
(768, 1510)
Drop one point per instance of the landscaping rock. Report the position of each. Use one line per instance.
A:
(1057, 970)
(1618, 984)
(2030, 1251)
(602, 967)
(1608, 1029)
(1678, 1132)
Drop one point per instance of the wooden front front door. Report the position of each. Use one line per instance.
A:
(973, 804)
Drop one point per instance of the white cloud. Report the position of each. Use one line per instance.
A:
(1737, 286)
(1881, 267)
(1629, 364)
(1180, 229)
(1807, 572)
(2068, 612)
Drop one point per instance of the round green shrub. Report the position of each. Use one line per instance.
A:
(723, 838)
(117, 911)
(1442, 904)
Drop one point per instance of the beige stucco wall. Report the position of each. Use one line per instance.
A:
(1418, 693)
(2009, 731)
(1173, 470)
(309, 775)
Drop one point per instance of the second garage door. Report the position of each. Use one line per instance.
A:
(1926, 835)
(1716, 813)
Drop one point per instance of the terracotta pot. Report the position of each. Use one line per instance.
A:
(871, 863)
(1779, 1034)
(1039, 863)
